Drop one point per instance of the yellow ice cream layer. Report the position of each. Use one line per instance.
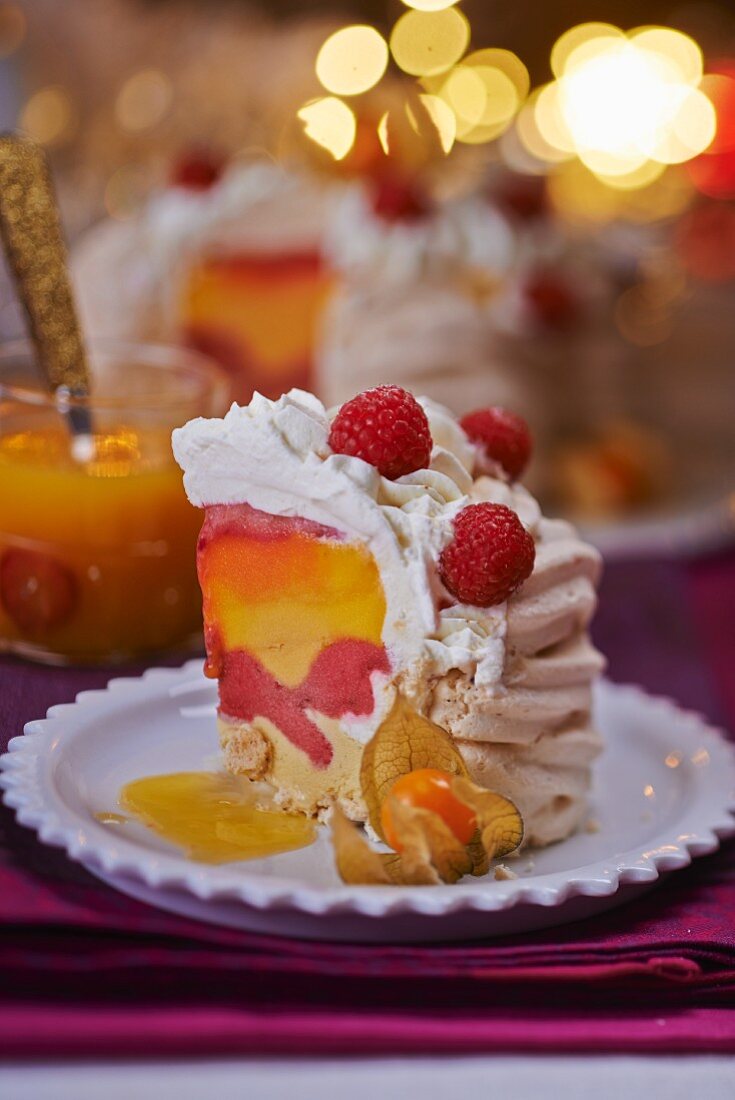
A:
(248, 308)
(285, 600)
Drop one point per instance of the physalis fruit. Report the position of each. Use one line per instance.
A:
(428, 789)
(440, 824)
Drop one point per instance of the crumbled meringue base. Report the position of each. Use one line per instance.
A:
(260, 751)
(552, 798)
(549, 780)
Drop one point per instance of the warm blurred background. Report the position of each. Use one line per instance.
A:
(526, 203)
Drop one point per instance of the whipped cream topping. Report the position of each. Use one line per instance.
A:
(466, 233)
(257, 205)
(258, 453)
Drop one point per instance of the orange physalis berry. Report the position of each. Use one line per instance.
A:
(429, 789)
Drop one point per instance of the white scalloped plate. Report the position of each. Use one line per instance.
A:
(653, 818)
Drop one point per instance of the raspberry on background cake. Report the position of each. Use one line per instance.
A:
(503, 438)
(330, 589)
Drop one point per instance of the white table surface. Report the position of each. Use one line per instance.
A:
(507, 1078)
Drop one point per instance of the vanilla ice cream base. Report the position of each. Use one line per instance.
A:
(274, 456)
(259, 750)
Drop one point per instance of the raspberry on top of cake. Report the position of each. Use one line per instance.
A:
(390, 550)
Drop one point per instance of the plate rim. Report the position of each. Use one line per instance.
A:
(696, 529)
(26, 784)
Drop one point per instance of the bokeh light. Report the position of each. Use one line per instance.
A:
(625, 104)
(416, 130)
(465, 94)
(531, 134)
(143, 100)
(443, 118)
(48, 117)
(12, 28)
(505, 61)
(500, 106)
(424, 43)
(576, 37)
(583, 198)
(383, 134)
(330, 123)
(622, 103)
(713, 173)
(641, 319)
(429, 5)
(516, 156)
(611, 104)
(551, 121)
(692, 128)
(471, 99)
(641, 176)
(352, 60)
(484, 91)
(125, 192)
(681, 51)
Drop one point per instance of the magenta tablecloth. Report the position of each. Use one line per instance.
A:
(86, 971)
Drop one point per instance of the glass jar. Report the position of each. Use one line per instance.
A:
(97, 550)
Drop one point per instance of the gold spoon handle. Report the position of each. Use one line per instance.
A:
(31, 232)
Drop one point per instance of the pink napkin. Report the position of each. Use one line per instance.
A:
(86, 971)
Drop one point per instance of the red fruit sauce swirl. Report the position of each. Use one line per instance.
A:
(241, 519)
(338, 683)
(339, 680)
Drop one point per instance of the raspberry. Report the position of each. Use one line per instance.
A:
(197, 170)
(490, 556)
(38, 592)
(397, 200)
(554, 303)
(505, 437)
(387, 428)
(523, 198)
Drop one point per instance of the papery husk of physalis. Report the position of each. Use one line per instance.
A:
(499, 823)
(357, 862)
(430, 852)
(404, 742)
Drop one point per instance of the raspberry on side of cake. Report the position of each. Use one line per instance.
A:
(344, 562)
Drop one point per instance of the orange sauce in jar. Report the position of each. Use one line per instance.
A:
(97, 557)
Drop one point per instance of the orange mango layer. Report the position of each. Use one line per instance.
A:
(259, 316)
(286, 599)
